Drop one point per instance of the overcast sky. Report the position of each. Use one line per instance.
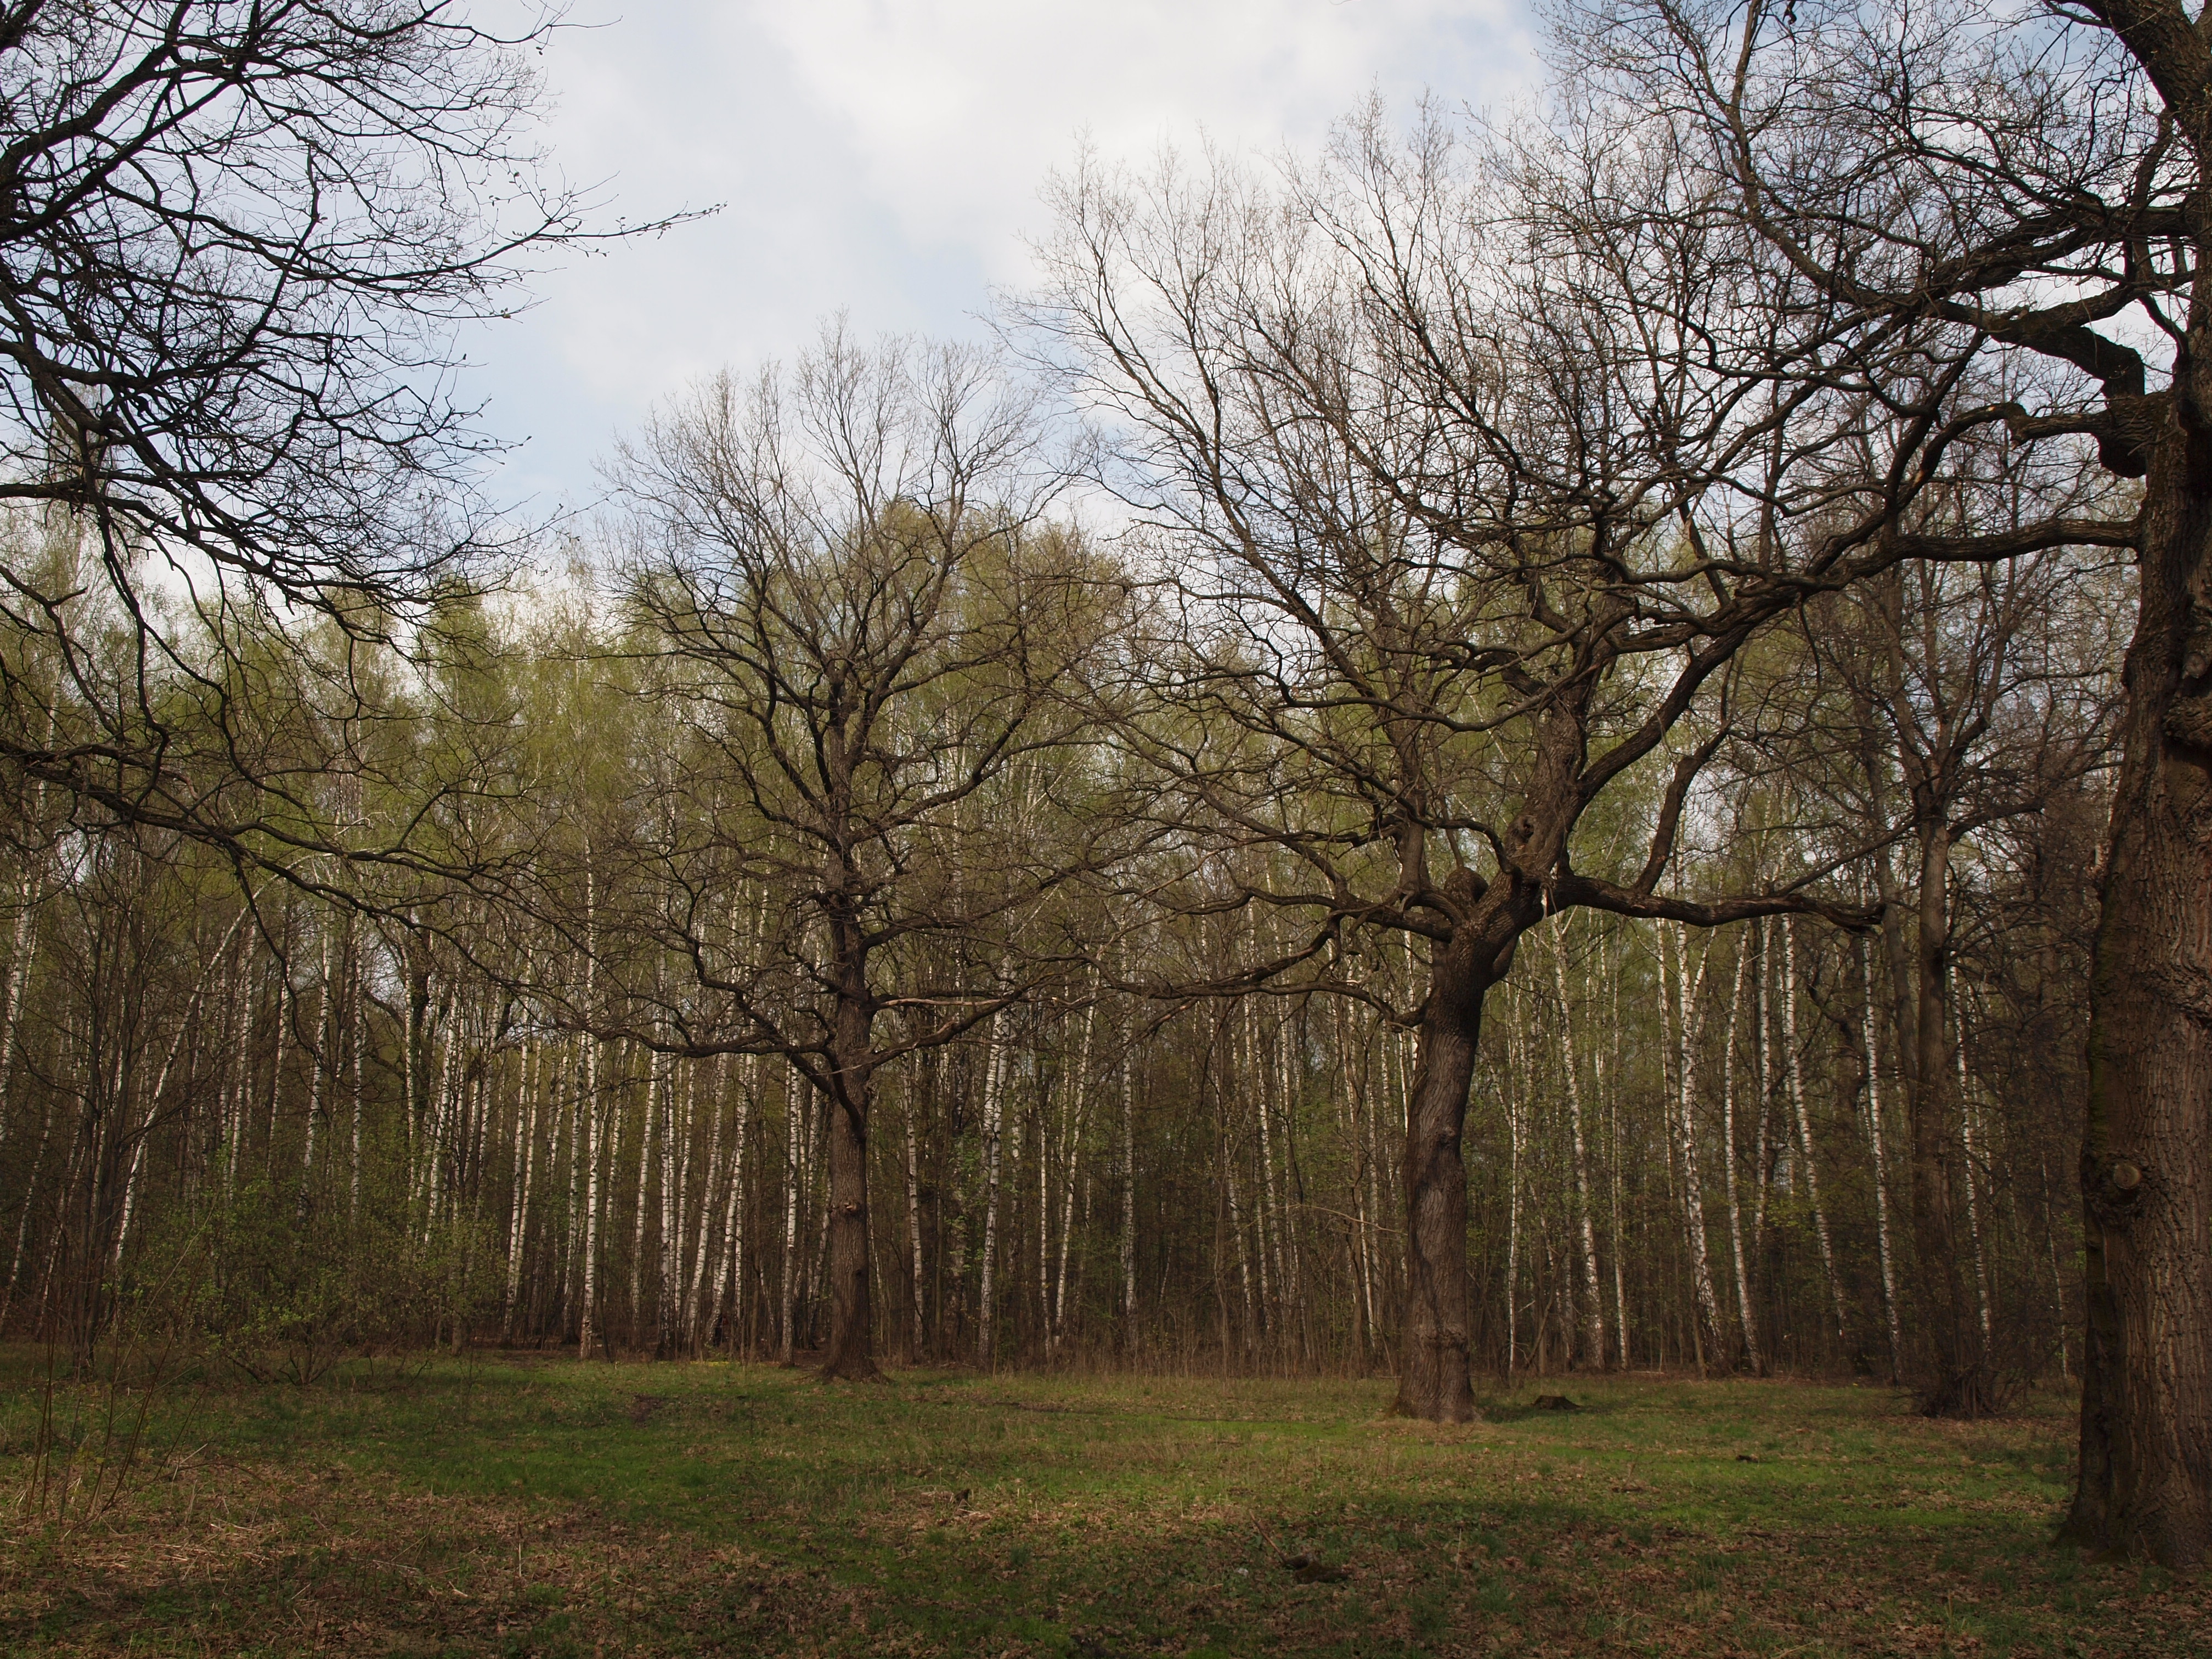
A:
(884, 157)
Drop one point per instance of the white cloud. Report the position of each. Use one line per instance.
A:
(884, 156)
(956, 107)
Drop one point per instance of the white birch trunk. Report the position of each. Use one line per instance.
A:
(1044, 1219)
(1288, 1075)
(1128, 1207)
(1619, 1269)
(319, 1066)
(442, 1113)
(594, 1130)
(1690, 1027)
(1237, 1235)
(1515, 1058)
(733, 1230)
(277, 1065)
(360, 1042)
(649, 1123)
(794, 1157)
(1274, 1291)
(240, 1080)
(671, 1205)
(1260, 1315)
(517, 1216)
(1362, 1223)
(587, 1328)
(1586, 1224)
(1071, 1170)
(696, 1313)
(915, 1300)
(1794, 1073)
(12, 1004)
(131, 1125)
(1875, 1138)
(1973, 1183)
(1762, 1047)
(1613, 1118)
(1744, 1316)
(987, 1317)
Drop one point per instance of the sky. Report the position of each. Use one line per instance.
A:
(883, 158)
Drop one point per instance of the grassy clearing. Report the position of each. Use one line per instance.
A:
(553, 1508)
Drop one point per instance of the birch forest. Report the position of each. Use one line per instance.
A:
(310, 1124)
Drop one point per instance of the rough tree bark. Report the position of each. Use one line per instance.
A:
(2146, 1439)
(851, 1092)
(2098, 278)
(1433, 1379)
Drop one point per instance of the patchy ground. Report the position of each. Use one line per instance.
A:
(549, 1508)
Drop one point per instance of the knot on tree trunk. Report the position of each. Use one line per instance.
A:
(2129, 431)
(2113, 1187)
(2189, 721)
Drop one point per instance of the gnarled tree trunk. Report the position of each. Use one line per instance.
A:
(2146, 1471)
(1433, 1380)
(852, 1310)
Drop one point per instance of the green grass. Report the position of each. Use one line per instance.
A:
(550, 1508)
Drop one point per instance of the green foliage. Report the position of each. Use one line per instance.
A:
(287, 1290)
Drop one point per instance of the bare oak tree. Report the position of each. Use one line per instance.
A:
(236, 242)
(1469, 511)
(877, 646)
(2030, 188)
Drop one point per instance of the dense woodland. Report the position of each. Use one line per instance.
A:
(318, 1127)
(1572, 739)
